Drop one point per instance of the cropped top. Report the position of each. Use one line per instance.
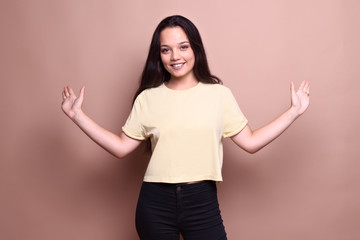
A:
(186, 128)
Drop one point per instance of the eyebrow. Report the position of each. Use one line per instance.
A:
(164, 45)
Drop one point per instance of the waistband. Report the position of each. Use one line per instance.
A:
(183, 186)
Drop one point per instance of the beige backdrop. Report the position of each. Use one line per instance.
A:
(56, 184)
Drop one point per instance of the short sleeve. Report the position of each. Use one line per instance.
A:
(234, 119)
(133, 126)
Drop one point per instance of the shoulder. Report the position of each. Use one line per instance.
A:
(216, 88)
(148, 94)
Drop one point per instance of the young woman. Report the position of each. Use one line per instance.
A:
(185, 112)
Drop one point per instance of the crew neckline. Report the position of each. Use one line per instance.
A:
(183, 90)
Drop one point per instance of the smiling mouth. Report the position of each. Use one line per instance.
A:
(178, 65)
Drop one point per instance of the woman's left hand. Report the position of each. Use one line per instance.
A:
(252, 141)
(301, 98)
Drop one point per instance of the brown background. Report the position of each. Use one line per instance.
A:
(57, 184)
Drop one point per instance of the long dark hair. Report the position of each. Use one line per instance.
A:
(154, 73)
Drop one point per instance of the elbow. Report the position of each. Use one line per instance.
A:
(252, 149)
(249, 148)
(120, 155)
(248, 143)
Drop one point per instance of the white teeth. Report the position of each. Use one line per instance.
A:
(177, 65)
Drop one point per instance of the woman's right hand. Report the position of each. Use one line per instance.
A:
(71, 105)
(119, 146)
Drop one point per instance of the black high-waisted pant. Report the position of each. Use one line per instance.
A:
(165, 210)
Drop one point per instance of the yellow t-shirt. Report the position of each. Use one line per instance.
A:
(186, 128)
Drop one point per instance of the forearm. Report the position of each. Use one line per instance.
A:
(119, 146)
(253, 141)
(104, 138)
(266, 134)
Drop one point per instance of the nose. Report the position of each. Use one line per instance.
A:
(175, 55)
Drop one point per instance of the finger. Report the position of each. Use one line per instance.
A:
(307, 86)
(292, 87)
(302, 85)
(71, 91)
(82, 91)
(63, 95)
(66, 92)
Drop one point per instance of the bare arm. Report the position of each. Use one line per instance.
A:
(252, 141)
(119, 146)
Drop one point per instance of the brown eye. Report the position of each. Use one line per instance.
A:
(164, 50)
(184, 47)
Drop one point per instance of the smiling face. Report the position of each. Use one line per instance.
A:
(176, 53)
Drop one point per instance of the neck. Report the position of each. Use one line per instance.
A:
(182, 83)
